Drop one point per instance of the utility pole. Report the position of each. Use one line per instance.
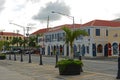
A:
(28, 36)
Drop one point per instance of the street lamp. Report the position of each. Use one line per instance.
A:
(17, 37)
(66, 16)
(23, 38)
(40, 53)
(73, 26)
(27, 34)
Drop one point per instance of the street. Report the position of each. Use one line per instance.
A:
(107, 67)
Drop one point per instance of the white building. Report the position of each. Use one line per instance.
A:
(103, 39)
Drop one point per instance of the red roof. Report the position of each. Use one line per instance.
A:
(10, 34)
(102, 23)
(57, 28)
(40, 31)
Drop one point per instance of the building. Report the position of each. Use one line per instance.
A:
(40, 33)
(8, 36)
(103, 39)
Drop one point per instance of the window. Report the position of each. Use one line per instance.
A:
(6, 38)
(10, 38)
(97, 32)
(99, 48)
(88, 31)
(52, 37)
(58, 35)
(87, 49)
(106, 32)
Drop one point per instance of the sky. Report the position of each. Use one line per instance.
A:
(34, 13)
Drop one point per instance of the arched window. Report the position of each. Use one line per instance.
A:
(115, 48)
(6, 38)
(99, 48)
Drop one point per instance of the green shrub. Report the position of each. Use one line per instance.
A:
(67, 62)
(2, 56)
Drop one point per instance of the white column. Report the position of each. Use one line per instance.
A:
(65, 50)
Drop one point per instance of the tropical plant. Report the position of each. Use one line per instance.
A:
(1, 44)
(21, 42)
(32, 41)
(14, 41)
(70, 37)
(69, 67)
(7, 44)
(2, 56)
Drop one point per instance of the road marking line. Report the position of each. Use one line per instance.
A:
(108, 62)
(89, 75)
(101, 73)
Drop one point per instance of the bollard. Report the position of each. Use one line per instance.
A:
(21, 52)
(118, 73)
(41, 60)
(10, 55)
(40, 53)
(56, 61)
(80, 58)
(14, 56)
(29, 57)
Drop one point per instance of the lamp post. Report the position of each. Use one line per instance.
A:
(66, 16)
(118, 72)
(27, 34)
(73, 27)
(40, 53)
(23, 39)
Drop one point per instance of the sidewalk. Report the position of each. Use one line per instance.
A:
(16, 70)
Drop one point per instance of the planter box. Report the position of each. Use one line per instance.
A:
(70, 70)
(2, 57)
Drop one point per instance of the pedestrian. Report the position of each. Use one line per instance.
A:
(118, 73)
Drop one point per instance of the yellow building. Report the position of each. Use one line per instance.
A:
(7, 36)
(104, 37)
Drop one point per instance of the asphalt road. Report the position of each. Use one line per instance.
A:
(108, 67)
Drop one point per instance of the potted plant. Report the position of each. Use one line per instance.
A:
(2, 56)
(71, 66)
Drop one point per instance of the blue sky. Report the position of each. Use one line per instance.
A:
(35, 12)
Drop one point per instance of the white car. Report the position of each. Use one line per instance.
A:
(5, 52)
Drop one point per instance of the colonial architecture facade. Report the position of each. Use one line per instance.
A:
(8, 36)
(103, 39)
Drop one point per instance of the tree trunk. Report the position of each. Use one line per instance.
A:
(71, 51)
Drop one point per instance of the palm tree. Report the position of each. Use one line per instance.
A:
(70, 37)
(32, 41)
(14, 41)
(20, 41)
(7, 44)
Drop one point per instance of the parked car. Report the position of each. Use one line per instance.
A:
(5, 52)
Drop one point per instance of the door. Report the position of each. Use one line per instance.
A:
(106, 50)
(94, 49)
(48, 50)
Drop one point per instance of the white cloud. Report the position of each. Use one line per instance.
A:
(52, 6)
(2, 2)
(22, 11)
